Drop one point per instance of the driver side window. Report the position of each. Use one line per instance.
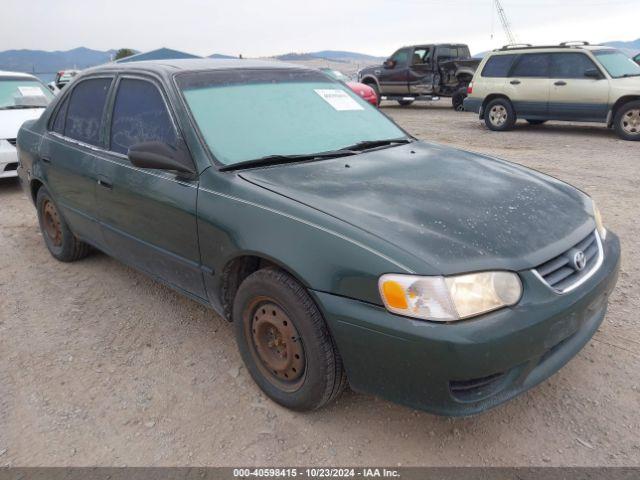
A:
(401, 57)
(140, 115)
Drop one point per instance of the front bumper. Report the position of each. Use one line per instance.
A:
(8, 160)
(469, 366)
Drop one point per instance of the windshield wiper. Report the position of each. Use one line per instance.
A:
(278, 158)
(20, 107)
(627, 75)
(370, 144)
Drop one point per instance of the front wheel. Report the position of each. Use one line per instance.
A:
(627, 121)
(285, 342)
(58, 237)
(499, 115)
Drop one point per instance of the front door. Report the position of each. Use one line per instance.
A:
(148, 216)
(394, 78)
(68, 155)
(528, 85)
(573, 95)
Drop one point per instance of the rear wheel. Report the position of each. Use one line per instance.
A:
(627, 121)
(457, 100)
(285, 342)
(499, 115)
(536, 122)
(405, 103)
(58, 238)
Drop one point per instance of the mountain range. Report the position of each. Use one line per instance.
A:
(44, 64)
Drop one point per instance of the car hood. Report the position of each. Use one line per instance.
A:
(12, 120)
(631, 84)
(456, 211)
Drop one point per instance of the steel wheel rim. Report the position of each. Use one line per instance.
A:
(275, 344)
(52, 224)
(498, 115)
(631, 122)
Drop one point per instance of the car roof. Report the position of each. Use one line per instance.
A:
(169, 67)
(17, 74)
(547, 48)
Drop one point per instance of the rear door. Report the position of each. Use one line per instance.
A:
(574, 96)
(68, 154)
(421, 71)
(394, 80)
(148, 216)
(528, 85)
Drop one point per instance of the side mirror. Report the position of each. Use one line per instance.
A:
(160, 156)
(593, 73)
(389, 63)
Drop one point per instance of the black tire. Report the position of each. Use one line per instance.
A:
(626, 121)
(58, 237)
(457, 100)
(536, 122)
(271, 300)
(503, 118)
(405, 103)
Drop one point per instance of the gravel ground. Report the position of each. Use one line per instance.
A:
(101, 366)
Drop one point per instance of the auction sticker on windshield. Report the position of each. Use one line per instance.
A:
(30, 91)
(339, 99)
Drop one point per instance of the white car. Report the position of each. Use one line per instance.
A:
(22, 97)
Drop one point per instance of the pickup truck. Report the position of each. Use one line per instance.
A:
(423, 72)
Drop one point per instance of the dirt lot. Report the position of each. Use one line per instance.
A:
(101, 366)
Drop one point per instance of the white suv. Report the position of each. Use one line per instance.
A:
(572, 82)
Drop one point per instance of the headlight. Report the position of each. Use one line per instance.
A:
(599, 225)
(446, 299)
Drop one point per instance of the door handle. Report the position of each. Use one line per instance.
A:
(45, 159)
(515, 82)
(104, 184)
(560, 83)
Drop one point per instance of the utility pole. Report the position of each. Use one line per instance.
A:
(511, 38)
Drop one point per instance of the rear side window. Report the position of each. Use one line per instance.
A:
(452, 52)
(532, 65)
(570, 65)
(498, 66)
(61, 115)
(84, 113)
(139, 115)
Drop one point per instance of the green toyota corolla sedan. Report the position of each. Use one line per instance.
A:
(341, 248)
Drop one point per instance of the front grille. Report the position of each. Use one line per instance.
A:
(563, 274)
(11, 167)
(12, 141)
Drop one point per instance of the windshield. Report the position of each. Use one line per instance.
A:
(617, 63)
(16, 92)
(249, 114)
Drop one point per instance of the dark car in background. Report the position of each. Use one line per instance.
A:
(423, 72)
(341, 248)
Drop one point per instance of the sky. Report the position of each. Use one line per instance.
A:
(257, 28)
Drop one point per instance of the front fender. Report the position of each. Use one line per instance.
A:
(236, 218)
